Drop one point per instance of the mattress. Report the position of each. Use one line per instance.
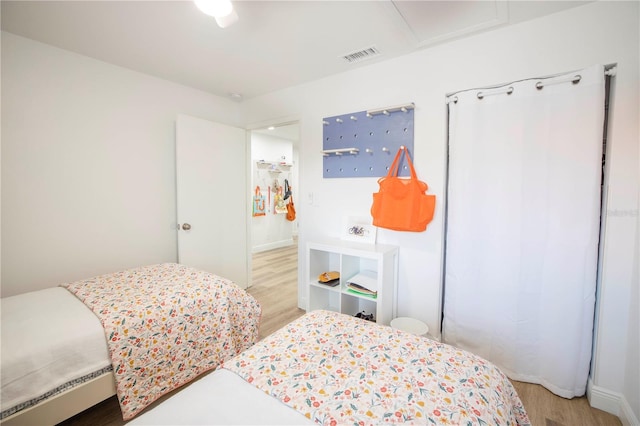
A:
(331, 368)
(158, 326)
(38, 364)
(167, 324)
(220, 398)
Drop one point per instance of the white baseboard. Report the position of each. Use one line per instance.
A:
(627, 416)
(611, 402)
(271, 246)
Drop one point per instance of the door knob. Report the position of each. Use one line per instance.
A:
(186, 226)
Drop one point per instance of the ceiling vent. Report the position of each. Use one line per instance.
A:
(362, 55)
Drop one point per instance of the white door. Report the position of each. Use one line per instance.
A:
(212, 206)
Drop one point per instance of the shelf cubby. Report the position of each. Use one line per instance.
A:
(380, 262)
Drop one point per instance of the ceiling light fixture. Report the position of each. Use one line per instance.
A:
(222, 10)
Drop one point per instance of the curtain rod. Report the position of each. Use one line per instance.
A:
(574, 80)
(610, 71)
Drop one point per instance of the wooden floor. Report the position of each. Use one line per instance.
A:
(275, 286)
(275, 280)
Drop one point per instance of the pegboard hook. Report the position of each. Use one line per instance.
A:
(388, 110)
(339, 152)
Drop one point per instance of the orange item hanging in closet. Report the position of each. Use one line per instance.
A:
(291, 209)
(401, 204)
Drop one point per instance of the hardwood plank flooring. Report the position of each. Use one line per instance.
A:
(275, 280)
(546, 409)
(275, 286)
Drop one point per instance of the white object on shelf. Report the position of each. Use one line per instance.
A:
(410, 325)
(366, 279)
(376, 264)
(358, 229)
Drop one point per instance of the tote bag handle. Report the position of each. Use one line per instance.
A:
(395, 166)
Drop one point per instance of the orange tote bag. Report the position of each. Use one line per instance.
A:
(401, 203)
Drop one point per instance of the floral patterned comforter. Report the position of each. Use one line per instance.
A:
(166, 324)
(336, 369)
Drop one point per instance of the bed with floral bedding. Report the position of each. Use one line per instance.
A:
(155, 327)
(333, 369)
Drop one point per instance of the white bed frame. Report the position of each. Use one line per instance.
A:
(66, 404)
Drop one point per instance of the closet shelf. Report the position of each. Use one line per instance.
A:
(274, 166)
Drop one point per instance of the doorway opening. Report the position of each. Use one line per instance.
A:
(274, 238)
(274, 185)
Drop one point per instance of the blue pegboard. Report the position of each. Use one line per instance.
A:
(364, 144)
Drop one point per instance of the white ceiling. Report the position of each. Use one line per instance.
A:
(274, 44)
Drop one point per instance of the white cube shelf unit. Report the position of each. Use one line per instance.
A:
(349, 259)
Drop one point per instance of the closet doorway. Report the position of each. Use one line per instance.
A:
(523, 225)
(274, 238)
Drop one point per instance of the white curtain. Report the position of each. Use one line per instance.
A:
(523, 221)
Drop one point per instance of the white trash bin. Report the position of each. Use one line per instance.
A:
(410, 325)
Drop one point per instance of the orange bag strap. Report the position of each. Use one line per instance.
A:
(393, 170)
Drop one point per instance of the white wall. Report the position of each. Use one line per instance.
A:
(600, 32)
(632, 369)
(271, 230)
(88, 164)
(88, 160)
